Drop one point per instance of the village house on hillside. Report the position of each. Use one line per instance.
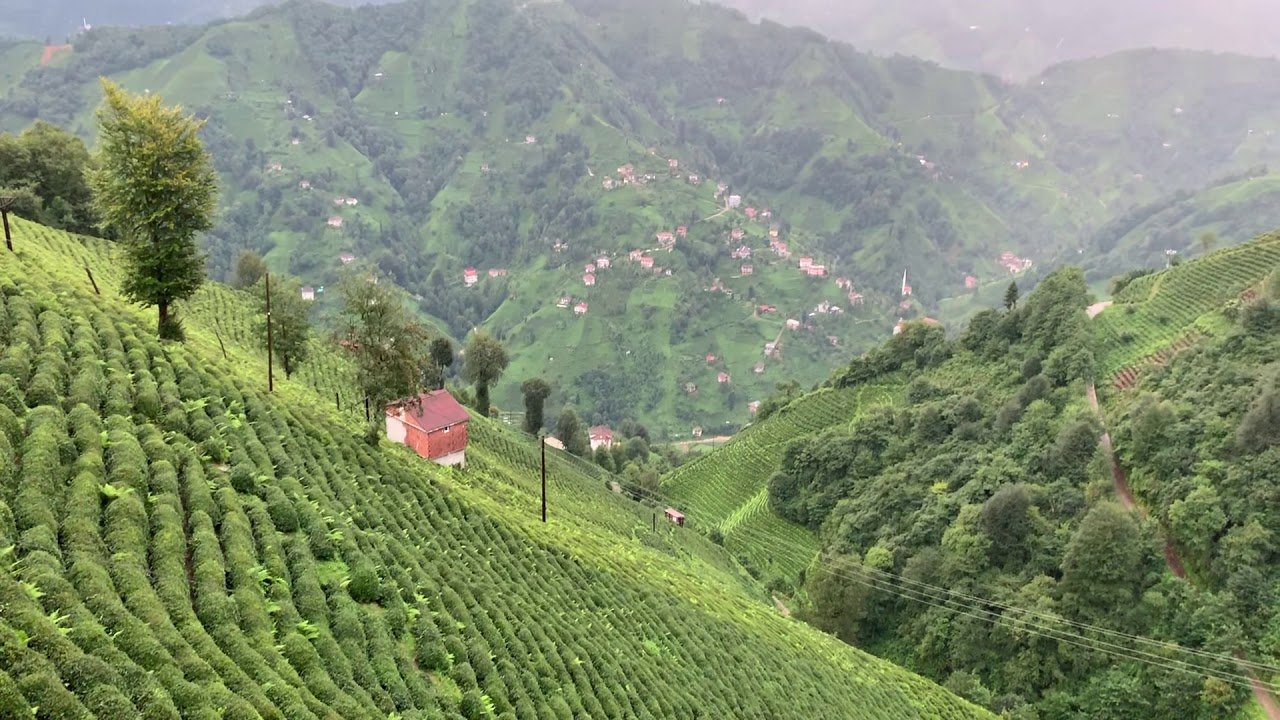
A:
(601, 436)
(723, 378)
(746, 270)
(589, 280)
(304, 184)
(335, 222)
(759, 368)
(563, 302)
(753, 407)
(346, 258)
(646, 261)
(470, 276)
(308, 293)
(735, 201)
(580, 309)
(603, 262)
(434, 426)
(497, 272)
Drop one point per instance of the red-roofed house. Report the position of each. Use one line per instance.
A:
(590, 268)
(737, 234)
(711, 358)
(580, 309)
(666, 238)
(806, 263)
(470, 276)
(673, 164)
(753, 407)
(434, 426)
(601, 436)
(682, 231)
(635, 255)
(723, 378)
(741, 253)
(646, 261)
(603, 262)
(970, 282)
(746, 270)
(816, 270)
(751, 213)
(589, 280)
(335, 222)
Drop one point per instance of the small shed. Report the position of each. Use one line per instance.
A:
(675, 516)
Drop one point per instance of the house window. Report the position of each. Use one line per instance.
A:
(446, 430)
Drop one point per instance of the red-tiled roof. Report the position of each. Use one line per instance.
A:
(433, 411)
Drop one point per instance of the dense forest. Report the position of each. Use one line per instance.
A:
(988, 482)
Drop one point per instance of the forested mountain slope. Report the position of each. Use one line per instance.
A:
(972, 530)
(439, 135)
(181, 544)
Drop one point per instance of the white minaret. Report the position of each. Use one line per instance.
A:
(905, 290)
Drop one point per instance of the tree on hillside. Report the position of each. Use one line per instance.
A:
(1208, 241)
(155, 186)
(290, 322)
(441, 358)
(389, 344)
(45, 168)
(250, 267)
(536, 391)
(486, 360)
(1011, 296)
(573, 433)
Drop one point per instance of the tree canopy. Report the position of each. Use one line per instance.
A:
(154, 185)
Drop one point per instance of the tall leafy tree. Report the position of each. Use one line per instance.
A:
(290, 322)
(389, 344)
(155, 186)
(441, 358)
(573, 433)
(44, 167)
(250, 267)
(536, 391)
(486, 360)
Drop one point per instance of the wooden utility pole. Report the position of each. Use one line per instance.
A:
(6, 202)
(271, 381)
(544, 478)
(92, 282)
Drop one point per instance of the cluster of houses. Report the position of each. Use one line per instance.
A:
(471, 276)
(1014, 264)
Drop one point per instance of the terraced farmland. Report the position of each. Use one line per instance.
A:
(180, 544)
(727, 488)
(1156, 311)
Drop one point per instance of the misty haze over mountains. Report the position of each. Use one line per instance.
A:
(1018, 38)
(1009, 38)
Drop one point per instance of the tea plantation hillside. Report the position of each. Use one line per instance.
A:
(178, 543)
(1171, 308)
(572, 155)
(727, 489)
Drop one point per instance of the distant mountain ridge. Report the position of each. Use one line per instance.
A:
(1020, 38)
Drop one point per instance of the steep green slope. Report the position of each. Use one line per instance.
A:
(1158, 312)
(181, 544)
(416, 116)
(727, 488)
(973, 531)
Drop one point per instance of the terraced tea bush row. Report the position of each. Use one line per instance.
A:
(175, 543)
